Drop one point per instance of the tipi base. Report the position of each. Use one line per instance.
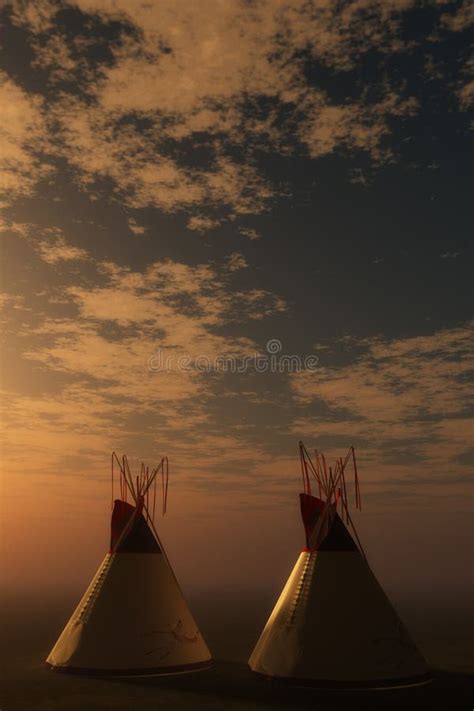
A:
(369, 685)
(146, 671)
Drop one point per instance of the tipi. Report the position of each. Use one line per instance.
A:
(133, 618)
(333, 626)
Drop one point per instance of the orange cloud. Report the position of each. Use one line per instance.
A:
(101, 355)
(408, 395)
(189, 70)
(22, 133)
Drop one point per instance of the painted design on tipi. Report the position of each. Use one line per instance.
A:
(169, 636)
(133, 597)
(333, 625)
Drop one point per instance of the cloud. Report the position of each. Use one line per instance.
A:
(225, 80)
(249, 232)
(191, 61)
(460, 20)
(84, 365)
(178, 109)
(37, 16)
(49, 242)
(357, 126)
(100, 145)
(170, 308)
(201, 223)
(57, 249)
(19, 228)
(134, 227)
(405, 395)
(54, 55)
(466, 95)
(236, 261)
(22, 134)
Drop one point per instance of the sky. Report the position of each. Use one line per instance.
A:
(243, 181)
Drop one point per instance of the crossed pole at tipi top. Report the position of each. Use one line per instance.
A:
(140, 491)
(332, 488)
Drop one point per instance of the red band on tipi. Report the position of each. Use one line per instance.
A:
(139, 539)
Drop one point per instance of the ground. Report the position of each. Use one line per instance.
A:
(29, 629)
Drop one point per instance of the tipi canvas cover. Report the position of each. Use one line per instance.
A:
(133, 618)
(333, 626)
